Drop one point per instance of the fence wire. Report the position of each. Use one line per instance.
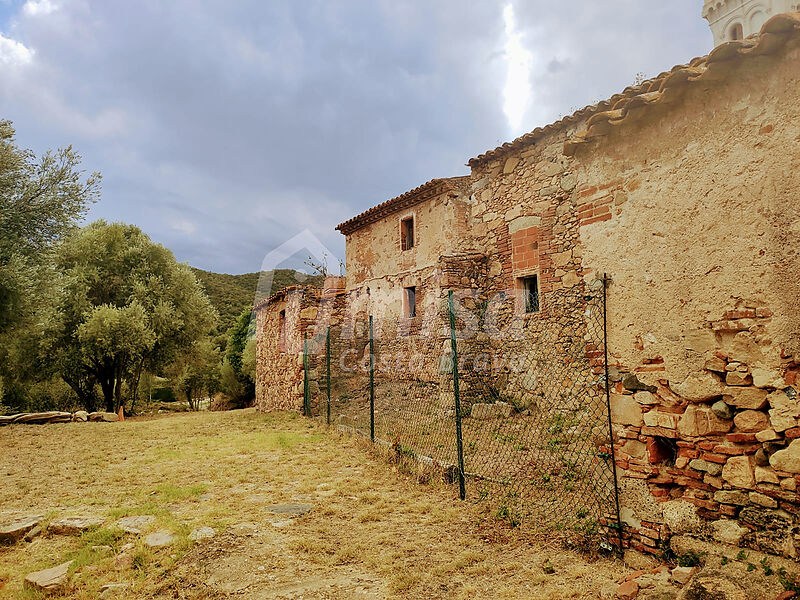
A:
(534, 412)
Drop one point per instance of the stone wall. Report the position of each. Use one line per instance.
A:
(694, 212)
(688, 200)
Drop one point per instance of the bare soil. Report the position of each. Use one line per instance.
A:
(373, 530)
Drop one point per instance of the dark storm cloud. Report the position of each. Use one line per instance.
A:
(224, 128)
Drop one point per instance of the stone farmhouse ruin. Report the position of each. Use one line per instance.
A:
(684, 190)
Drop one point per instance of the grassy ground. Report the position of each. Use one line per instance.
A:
(374, 530)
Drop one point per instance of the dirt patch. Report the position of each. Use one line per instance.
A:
(372, 532)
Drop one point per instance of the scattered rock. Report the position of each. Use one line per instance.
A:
(80, 416)
(160, 539)
(124, 559)
(33, 533)
(683, 574)
(108, 417)
(627, 591)
(201, 533)
(73, 525)
(135, 525)
(293, 509)
(102, 549)
(722, 410)
(49, 581)
(16, 529)
(712, 585)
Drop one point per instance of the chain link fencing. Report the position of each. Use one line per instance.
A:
(531, 438)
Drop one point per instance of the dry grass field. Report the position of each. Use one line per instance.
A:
(373, 531)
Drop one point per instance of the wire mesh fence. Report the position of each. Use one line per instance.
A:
(531, 434)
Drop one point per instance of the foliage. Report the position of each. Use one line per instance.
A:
(232, 294)
(238, 369)
(124, 305)
(41, 201)
(197, 372)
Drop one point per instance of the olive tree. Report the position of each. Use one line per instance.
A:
(124, 305)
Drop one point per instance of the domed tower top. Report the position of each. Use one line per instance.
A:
(736, 19)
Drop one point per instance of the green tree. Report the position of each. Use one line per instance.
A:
(41, 200)
(238, 380)
(197, 372)
(124, 305)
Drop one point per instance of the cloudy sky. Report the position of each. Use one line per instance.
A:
(225, 127)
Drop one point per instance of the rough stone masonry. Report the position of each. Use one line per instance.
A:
(684, 189)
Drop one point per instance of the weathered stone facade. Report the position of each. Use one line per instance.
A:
(685, 191)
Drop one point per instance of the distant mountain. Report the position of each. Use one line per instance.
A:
(231, 294)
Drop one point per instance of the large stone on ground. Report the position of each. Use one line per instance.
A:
(738, 471)
(73, 525)
(713, 585)
(80, 416)
(49, 581)
(201, 533)
(17, 528)
(751, 421)
(787, 460)
(699, 421)
(293, 509)
(136, 524)
(108, 417)
(44, 418)
(491, 411)
(160, 539)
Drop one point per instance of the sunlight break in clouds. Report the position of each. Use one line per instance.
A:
(517, 92)
(14, 53)
(35, 8)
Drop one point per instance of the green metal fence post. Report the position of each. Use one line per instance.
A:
(371, 383)
(328, 373)
(462, 491)
(306, 391)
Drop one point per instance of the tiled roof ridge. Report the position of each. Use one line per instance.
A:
(282, 292)
(430, 189)
(614, 111)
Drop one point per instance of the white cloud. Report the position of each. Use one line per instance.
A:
(517, 92)
(14, 53)
(184, 226)
(38, 8)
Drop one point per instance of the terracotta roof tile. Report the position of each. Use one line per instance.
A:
(663, 89)
(434, 187)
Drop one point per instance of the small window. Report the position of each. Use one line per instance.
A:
(529, 286)
(736, 32)
(407, 233)
(411, 302)
(282, 325)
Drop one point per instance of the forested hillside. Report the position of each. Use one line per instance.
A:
(231, 294)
